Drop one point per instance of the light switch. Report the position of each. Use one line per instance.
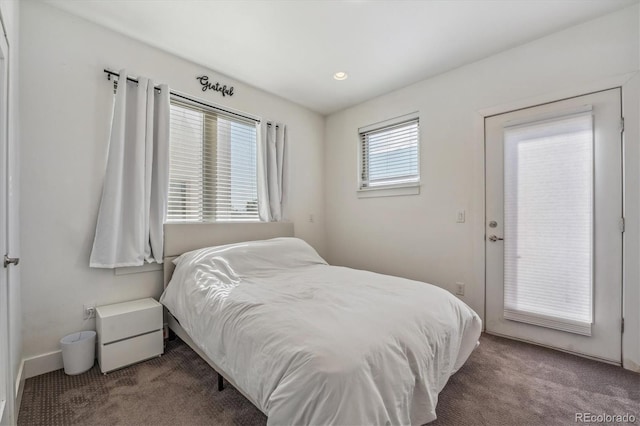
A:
(460, 216)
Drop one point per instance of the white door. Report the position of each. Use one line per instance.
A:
(7, 397)
(554, 224)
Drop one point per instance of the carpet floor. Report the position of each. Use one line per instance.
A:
(504, 382)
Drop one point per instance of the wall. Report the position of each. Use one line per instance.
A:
(10, 17)
(417, 236)
(66, 105)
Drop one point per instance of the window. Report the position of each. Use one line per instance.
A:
(389, 155)
(212, 166)
(548, 223)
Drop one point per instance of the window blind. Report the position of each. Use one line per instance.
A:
(548, 244)
(212, 166)
(390, 154)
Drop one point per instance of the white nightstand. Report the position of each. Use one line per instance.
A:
(128, 332)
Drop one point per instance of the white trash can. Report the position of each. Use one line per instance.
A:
(78, 352)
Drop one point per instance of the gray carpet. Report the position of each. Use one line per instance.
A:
(503, 383)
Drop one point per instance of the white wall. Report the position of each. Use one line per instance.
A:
(65, 106)
(417, 236)
(10, 16)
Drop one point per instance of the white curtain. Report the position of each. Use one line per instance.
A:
(134, 195)
(272, 172)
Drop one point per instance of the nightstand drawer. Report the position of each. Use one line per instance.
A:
(129, 351)
(122, 320)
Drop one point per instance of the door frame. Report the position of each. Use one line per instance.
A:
(630, 84)
(7, 413)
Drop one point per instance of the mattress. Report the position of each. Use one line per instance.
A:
(317, 344)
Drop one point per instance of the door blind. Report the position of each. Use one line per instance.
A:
(212, 166)
(549, 212)
(389, 155)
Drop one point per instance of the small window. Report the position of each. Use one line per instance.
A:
(390, 154)
(212, 166)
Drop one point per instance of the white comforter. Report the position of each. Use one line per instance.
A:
(317, 344)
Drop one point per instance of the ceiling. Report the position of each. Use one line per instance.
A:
(293, 48)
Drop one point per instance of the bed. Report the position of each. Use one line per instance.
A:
(306, 342)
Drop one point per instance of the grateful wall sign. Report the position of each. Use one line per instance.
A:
(216, 87)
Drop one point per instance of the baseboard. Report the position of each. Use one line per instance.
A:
(19, 387)
(42, 364)
(629, 364)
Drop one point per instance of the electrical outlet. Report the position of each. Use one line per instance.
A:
(459, 289)
(89, 311)
(311, 218)
(460, 216)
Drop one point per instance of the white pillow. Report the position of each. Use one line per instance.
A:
(253, 257)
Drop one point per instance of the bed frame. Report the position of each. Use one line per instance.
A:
(183, 237)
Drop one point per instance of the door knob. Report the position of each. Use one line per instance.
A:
(10, 260)
(494, 238)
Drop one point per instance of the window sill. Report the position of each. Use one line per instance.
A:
(390, 191)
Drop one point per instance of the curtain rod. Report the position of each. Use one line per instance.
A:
(188, 98)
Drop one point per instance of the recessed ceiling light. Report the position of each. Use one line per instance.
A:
(340, 75)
